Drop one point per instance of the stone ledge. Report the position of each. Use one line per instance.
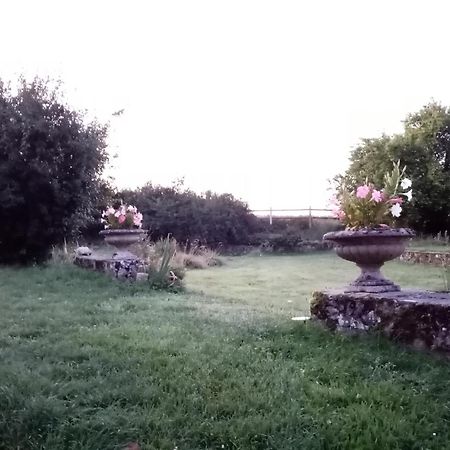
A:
(124, 269)
(417, 318)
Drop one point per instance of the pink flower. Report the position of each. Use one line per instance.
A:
(137, 219)
(377, 196)
(398, 200)
(335, 209)
(341, 215)
(122, 218)
(362, 191)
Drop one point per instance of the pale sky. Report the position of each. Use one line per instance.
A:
(262, 99)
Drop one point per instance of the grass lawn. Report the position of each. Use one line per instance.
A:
(88, 364)
(431, 245)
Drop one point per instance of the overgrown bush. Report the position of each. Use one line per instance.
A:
(293, 234)
(209, 218)
(183, 257)
(197, 256)
(50, 163)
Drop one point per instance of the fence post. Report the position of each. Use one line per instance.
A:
(310, 217)
(270, 216)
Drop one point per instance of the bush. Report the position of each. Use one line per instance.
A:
(182, 257)
(50, 163)
(293, 234)
(209, 218)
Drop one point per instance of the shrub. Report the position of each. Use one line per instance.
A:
(210, 218)
(50, 164)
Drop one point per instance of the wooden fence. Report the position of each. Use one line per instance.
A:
(310, 213)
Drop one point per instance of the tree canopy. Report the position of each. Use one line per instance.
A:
(51, 160)
(424, 148)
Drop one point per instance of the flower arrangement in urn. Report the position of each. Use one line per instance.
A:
(371, 237)
(368, 206)
(123, 227)
(123, 217)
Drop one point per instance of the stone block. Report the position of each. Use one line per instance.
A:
(418, 318)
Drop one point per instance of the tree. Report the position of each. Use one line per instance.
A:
(424, 148)
(211, 218)
(50, 166)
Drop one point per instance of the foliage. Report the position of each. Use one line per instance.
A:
(193, 256)
(122, 217)
(196, 256)
(219, 365)
(210, 218)
(366, 206)
(50, 163)
(162, 274)
(424, 147)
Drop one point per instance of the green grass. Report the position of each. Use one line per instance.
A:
(88, 364)
(430, 244)
(283, 284)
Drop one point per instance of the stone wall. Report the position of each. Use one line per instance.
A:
(426, 257)
(127, 269)
(417, 318)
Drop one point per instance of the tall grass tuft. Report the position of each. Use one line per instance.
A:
(63, 254)
(161, 273)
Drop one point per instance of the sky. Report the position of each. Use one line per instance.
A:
(261, 99)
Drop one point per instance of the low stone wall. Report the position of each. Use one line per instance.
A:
(426, 257)
(128, 269)
(417, 318)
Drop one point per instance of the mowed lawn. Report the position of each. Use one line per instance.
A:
(89, 364)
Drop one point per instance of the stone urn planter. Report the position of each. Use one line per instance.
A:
(122, 239)
(369, 249)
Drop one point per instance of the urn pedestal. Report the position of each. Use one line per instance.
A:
(369, 249)
(126, 265)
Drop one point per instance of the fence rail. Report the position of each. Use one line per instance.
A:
(309, 213)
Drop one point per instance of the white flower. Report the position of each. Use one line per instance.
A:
(396, 210)
(406, 183)
(408, 195)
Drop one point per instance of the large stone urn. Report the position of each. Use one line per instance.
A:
(122, 239)
(370, 248)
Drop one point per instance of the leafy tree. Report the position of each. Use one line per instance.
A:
(211, 218)
(50, 166)
(424, 148)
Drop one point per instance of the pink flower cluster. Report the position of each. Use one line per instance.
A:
(336, 209)
(364, 191)
(122, 217)
(366, 199)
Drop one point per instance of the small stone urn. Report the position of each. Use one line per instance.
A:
(370, 248)
(122, 239)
